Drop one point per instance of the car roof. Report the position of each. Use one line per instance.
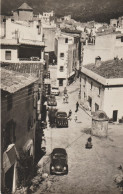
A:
(59, 150)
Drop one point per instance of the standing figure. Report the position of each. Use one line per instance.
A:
(75, 116)
(77, 106)
(69, 115)
(65, 90)
(63, 99)
(66, 98)
(89, 145)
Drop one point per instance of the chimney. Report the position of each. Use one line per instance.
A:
(98, 61)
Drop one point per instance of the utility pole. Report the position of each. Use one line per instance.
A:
(81, 62)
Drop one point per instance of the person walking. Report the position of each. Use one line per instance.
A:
(77, 106)
(69, 115)
(63, 99)
(75, 116)
(66, 98)
(65, 90)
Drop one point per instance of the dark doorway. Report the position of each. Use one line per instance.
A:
(90, 101)
(60, 82)
(96, 107)
(9, 179)
(115, 115)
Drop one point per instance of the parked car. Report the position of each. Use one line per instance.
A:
(61, 119)
(51, 100)
(59, 161)
(55, 91)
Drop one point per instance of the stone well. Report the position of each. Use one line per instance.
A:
(99, 124)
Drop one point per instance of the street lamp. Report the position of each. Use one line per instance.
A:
(81, 61)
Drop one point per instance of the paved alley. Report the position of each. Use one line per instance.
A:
(90, 171)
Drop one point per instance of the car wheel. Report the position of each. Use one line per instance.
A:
(51, 173)
(67, 170)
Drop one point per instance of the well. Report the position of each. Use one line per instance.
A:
(99, 124)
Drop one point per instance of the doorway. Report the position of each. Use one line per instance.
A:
(60, 82)
(9, 179)
(90, 101)
(115, 113)
(96, 107)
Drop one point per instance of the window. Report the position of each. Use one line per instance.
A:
(66, 40)
(61, 69)
(84, 95)
(96, 107)
(91, 85)
(61, 54)
(8, 55)
(84, 80)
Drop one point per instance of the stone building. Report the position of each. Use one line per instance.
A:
(18, 122)
(23, 13)
(102, 87)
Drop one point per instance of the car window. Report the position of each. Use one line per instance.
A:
(61, 115)
(59, 156)
(54, 88)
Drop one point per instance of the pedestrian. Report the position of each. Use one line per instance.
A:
(89, 144)
(65, 90)
(75, 116)
(77, 106)
(70, 114)
(66, 98)
(63, 99)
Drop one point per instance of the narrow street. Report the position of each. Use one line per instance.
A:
(90, 171)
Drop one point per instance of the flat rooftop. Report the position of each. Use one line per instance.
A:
(108, 69)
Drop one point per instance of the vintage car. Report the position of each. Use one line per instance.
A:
(51, 100)
(59, 161)
(55, 91)
(61, 119)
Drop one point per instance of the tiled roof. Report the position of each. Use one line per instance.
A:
(12, 81)
(108, 69)
(25, 6)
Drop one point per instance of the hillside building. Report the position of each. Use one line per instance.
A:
(23, 13)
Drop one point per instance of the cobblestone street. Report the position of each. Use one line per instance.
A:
(90, 171)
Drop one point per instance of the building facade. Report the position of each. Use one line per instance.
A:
(102, 88)
(107, 46)
(67, 52)
(18, 122)
(22, 41)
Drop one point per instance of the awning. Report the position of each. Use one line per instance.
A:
(9, 157)
(72, 73)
